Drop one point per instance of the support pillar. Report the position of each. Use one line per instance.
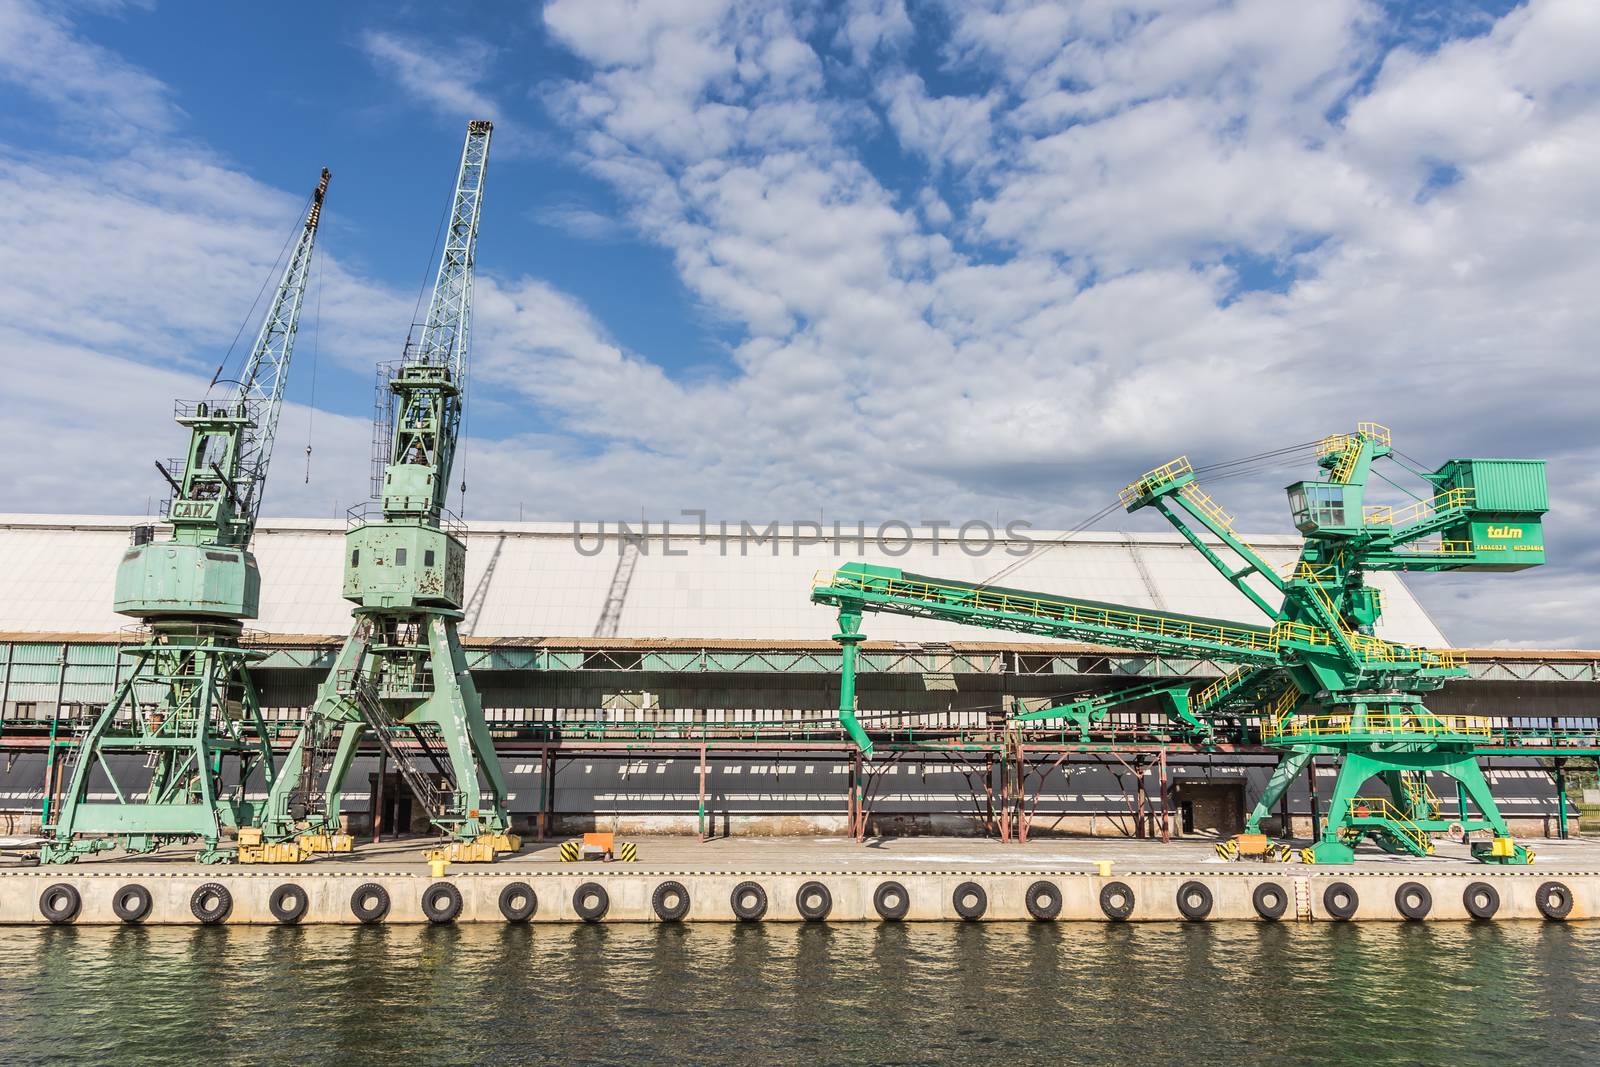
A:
(1311, 784)
(1561, 799)
(1166, 814)
(542, 820)
(702, 813)
(377, 797)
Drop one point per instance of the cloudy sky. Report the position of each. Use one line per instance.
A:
(890, 259)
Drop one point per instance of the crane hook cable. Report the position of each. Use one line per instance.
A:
(271, 274)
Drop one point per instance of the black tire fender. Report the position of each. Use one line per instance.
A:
(1554, 901)
(211, 903)
(60, 903)
(518, 902)
(1195, 900)
(1117, 901)
(891, 901)
(1341, 900)
(288, 903)
(1043, 900)
(1481, 900)
(441, 903)
(131, 903)
(1270, 900)
(1413, 901)
(813, 902)
(970, 901)
(370, 903)
(670, 902)
(749, 901)
(591, 901)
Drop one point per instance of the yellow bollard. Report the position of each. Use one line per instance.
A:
(1104, 867)
(437, 866)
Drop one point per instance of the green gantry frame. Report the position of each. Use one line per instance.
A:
(401, 675)
(1312, 678)
(188, 705)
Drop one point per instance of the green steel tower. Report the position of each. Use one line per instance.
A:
(187, 705)
(401, 676)
(1311, 678)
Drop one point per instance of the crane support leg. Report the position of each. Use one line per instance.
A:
(1290, 764)
(1407, 823)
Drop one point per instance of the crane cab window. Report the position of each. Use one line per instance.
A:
(399, 557)
(1315, 505)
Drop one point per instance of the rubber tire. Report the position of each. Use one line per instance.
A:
(591, 913)
(1191, 911)
(1413, 912)
(891, 912)
(1268, 911)
(445, 913)
(1554, 912)
(219, 911)
(530, 902)
(1491, 900)
(673, 913)
(1330, 896)
(60, 903)
(380, 906)
(293, 914)
(1043, 900)
(817, 912)
(141, 906)
(974, 911)
(753, 912)
(1117, 912)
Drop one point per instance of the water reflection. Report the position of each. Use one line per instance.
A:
(847, 993)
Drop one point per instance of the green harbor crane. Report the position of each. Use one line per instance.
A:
(1312, 678)
(187, 706)
(401, 676)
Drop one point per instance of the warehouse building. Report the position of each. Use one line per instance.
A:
(679, 679)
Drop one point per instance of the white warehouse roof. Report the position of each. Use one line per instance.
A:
(532, 580)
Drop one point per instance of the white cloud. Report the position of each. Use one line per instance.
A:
(87, 85)
(1037, 298)
(432, 75)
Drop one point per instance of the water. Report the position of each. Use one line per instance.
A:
(858, 993)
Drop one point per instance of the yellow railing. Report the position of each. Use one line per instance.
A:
(1152, 480)
(1440, 548)
(1205, 697)
(1208, 507)
(1385, 515)
(1284, 703)
(1050, 610)
(1400, 822)
(1347, 447)
(1388, 724)
(1374, 649)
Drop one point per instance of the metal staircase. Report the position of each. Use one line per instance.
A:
(361, 694)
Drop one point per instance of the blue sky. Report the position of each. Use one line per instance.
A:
(873, 259)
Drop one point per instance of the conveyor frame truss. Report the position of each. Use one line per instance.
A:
(1313, 677)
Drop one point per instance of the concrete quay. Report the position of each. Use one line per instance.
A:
(794, 880)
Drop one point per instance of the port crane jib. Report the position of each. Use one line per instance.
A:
(401, 675)
(187, 705)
